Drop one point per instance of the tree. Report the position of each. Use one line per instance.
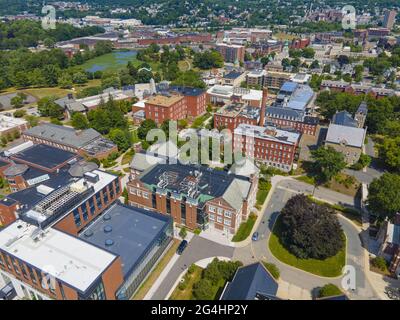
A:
(327, 163)
(208, 59)
(17, 102)
(49, 43)
(384, 196)
(79, 121)
(19, 113)
(310, 230)
(183, 233)
(48, 108)
(122, 138)
(389, 152)
(329, 290)
(65, 81)
(145, 127)
(189, 78)
(202, 290)
(79, 78)
(32, 120)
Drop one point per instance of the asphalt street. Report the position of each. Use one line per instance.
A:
(198, 249)
(259, 250)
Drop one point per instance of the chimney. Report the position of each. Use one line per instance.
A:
(263, 105)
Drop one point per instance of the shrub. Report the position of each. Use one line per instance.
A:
(183, 233)
(379, 263)
(19, 113)
(273, 269)
(329, 290)
(191, 269)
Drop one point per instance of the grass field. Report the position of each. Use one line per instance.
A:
(145, 287)
(331, 267)
(39, 93)
(113, 61)
(245, 229)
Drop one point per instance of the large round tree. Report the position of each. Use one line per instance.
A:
(310, 230)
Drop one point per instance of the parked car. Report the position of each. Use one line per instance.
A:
(182, 247)
(255, 236)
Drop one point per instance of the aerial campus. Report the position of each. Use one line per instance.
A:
(208, 151)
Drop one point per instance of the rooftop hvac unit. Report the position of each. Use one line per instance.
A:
(44, 189)
(91, 177)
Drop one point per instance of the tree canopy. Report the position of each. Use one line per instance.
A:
(310, 230)
(384, 195)
(327, 163)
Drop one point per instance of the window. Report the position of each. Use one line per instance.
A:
(228, 214)
(91, 206)
(211, 208)
(98, 293)
(227, 222)
(145, 195)
(219, 219)
(16, 266)
(77, 217)
(98, 201)
(212, 217)
(220, 211)
(132, 190)
(117, 187)
(84, 212)
(112, 193)
(105, 195)
(32, 274)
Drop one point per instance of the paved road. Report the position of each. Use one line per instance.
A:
(259, 250)
(198, 249)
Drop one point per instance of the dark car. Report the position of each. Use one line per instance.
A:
(255, 236)
(182, 247)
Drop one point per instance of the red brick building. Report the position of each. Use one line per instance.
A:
(269, 145)
(162, 107)
(195, 196)
(231, 52)
(69, 243)
(232, 115)
(175, 104)
(186, 38)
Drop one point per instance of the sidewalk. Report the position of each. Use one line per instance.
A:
(166, 270)
(217, 236)
(288, 291)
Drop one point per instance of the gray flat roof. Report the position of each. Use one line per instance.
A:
(44, 156)
(133, 232)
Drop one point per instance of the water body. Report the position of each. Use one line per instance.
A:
(113, 60)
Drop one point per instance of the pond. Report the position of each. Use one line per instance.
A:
(114, 60)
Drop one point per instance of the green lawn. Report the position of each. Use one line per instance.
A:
(245, 229)
(331, 267)
(111, 62)
(261, 196)
(149, 282)
(190, 280)
(199, 121)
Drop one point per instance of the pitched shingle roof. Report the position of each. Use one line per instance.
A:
(63, 135)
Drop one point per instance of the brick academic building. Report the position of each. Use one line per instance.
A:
(195, 196)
